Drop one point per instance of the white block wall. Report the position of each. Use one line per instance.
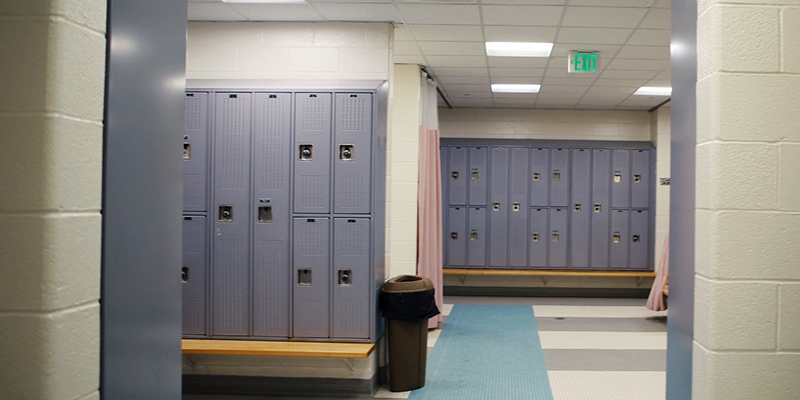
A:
(660, 136)
(51, 110)
(747, 323)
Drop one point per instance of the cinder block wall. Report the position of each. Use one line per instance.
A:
(747, 319)
(51, 145)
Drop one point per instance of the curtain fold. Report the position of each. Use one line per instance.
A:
(429, 200)
(656, 301)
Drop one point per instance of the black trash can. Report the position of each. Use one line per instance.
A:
(407, 301)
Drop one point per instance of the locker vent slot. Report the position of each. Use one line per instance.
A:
(312, 191)
(233, 171)
(352, 241)
(193, 119)
(193, 194)
(351, 317)
(354, 114)
(193, 239)
(354, 189)
(312, 240)
(304, 277)
(313, 118)
(309, 309)
(271, 294)
(232, 277)
(273, 143)
(193, 311)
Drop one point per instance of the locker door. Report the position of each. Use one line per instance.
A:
(477, 175)
(621, 178)
(352, 311)
(601, 180)
(640, 184)
(539, 238)
(540, 180)
(312, 153)
(518, 208)
(456, 240)
(557, 239)
(619, 239)
(195, 152)
(498, 216)
(559, 177)
(640, 243)
(271, 211)
(580, 231)
(193, 274)
(312, 277)
(457, 180)
(476, 245)
(352, 153)
(231, 268)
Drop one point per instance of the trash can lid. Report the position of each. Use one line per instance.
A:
(407, 284)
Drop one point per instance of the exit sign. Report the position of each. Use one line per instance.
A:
(583, 62)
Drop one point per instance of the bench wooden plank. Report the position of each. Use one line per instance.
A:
(528, 272)
(285, 349)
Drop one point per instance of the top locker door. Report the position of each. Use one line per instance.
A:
(518, 208)
(195, 153)
(312, 153)
(457, 179)
(620, 178)
(352, 153)
(477, 175)
(498, 211)
(559, 177)
(640, 182)
(540, 165)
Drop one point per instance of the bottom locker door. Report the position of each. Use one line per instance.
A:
(557, 238)
(537, 249)
(193, 275)
(600, 237)
(476, 243)
(639, 239)
(351, 286)
(619, 239)
(311, 278)
(456, 242)
(580, 238)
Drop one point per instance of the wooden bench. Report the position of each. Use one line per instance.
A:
(282, 349)
(463, 272)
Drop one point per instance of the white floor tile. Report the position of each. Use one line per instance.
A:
(604, 340)
(608, 385)
(595, 312)
(385, 393)
(446, 308)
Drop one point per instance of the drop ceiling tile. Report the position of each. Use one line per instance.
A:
(204, 1)
(640, 65)
(522, 15)
(606, 17)
(623, 74)
(408, 60)
(663, 4)
(560, 71)
(657, 18)
(463, 80)
(612, 3)
(650, 37)
(592, 105)
(401, 32)
(449, 14)
(515, 97)
(469, 88)
(571, 90)
(213, 12)
(358, 12)
(566, 82)
(518, 62)
(644, 52)
(517, 80)
(623, 92)
(664, 75)
(527, 2)
(456, 61)
(278, 12)
(467, 95)
(406, 48)
(606, 51)
(442, 71)
(450, 33)
(555, 103)
(453, 48)
(349, 1)
(606, 97)
(620, 82)
(658, 83)
(469, 103)
(593, 35)
(517, 72)
(520, 33)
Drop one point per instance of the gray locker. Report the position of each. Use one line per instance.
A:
(518, 208)
(477, 175)
(195, 153)
(539, 238)
(580, 231)
(456, 236)
(312, 153)
(271, 211)
(619, 239)
(557, 238)
(231, 268)
(640, 178)
(620, 178)
(601, 180)
(639, 239)
(351, 278)
(476, 243)
(445, 171)
(559, 177)
(312, 278)
(498, 214)
(352, 153)
(457, 176)
(193, 274)
(540, 180)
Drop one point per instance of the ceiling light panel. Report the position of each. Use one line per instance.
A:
(515, 88)
(518, 49)
(654, 91)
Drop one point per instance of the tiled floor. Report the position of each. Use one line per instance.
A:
(595, 349)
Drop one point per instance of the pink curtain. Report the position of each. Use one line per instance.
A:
(656, 301)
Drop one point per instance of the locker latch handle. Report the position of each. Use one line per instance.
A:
(617, 178)
(496, 206)
(556, 176)
(185, 274)
(577, 207)
(534, 237)
(345, 277)
(453, 235)
(346, 152)
(515, 206)
(473, 236)
(554, 237)
(304, 277)
(637, 179)
(616, 238)
(187, 150)
(598, 207)
(265, 214)
(306, 152)
(635, 239)
(454, 175)
(475, 175)
(536, 177)
(226, 213)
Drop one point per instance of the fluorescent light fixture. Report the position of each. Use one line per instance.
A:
(506, 88)
(518, 49)
(265, 1)
(654, 91)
